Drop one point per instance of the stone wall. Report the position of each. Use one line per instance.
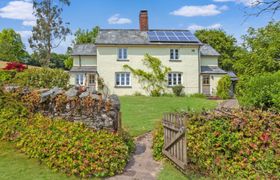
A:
(75, 105)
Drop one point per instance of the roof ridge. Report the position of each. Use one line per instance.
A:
(144, 31)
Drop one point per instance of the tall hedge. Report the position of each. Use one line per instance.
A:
(42, 78)
(223, 88)
(237, 144)
(262, 91)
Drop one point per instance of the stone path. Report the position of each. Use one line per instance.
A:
(231, 103)
(141, 165)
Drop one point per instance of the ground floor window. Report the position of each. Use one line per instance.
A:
(174, 78)
(206, 80)
(123, 79)
(91, 78)
(79, 79)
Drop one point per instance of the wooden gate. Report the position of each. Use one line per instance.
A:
(175, 147)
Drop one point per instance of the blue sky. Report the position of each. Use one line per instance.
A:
(167, 14)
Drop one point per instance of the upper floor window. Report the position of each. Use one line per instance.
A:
(122, 54)
(174, 79)
(174, 54)
(79, 79)
(123, 79)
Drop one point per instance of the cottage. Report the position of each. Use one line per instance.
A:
(194, 65)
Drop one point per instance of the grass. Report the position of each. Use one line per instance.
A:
(15, 165)
(169, 172)
(141, 113)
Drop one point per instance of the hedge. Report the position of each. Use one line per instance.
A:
(237, 144)
(64, 146)
(223, 88)
(42, 78)
(262, 91)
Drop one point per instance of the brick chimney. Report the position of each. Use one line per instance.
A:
(143, 20)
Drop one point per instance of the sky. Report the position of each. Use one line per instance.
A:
(124, 14)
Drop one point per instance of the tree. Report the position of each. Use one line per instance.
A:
(68, 63)
(265, 6)
(261, 51)
(57, 60)
(223, 43)
(154, 81)
(49, 30)
(86, 36)
(11, 46)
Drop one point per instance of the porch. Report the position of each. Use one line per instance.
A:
(86, 76)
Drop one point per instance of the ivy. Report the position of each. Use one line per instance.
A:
(153, 81)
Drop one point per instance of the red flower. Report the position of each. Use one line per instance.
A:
(15, 66)
(264, 137)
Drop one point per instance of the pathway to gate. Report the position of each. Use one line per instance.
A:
(141, 165)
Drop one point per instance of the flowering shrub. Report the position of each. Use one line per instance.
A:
(15, 66)
(64, 146)
(242, 144)
(42, 78)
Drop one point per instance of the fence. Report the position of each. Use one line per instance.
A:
(175, 146)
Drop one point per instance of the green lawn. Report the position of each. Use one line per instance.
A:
(16, 166)
(140, 113)
(169, 172)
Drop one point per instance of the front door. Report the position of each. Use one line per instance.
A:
(206, 85)
(91, 81)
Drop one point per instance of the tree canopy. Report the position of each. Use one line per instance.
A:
(85, 36)
(49, 30)
(223, 43)
(261, 50)
(11, 46)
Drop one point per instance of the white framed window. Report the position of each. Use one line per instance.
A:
(174, 54)
(174, 78)
(123, 79)
(79, 79)
(122, 54)
(91, 78)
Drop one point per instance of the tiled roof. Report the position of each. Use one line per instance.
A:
(129, 37)
(212, 70)
(84, 69)
(84, 49)
(207, 50)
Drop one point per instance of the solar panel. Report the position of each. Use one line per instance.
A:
(171, 36)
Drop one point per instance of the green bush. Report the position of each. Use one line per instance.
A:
(42, 78)
(261, 91)
(223, 88)
(5, 76)
(178, 90)
(237, 144)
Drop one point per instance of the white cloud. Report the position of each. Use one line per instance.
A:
(207, 10)
(248, 3)
(195, 27)
(19, 10)
(29, 23)
(116, 19)
(25, 34)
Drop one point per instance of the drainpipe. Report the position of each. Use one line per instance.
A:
(199, 70)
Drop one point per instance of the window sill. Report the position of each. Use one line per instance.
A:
(122, 60)
(175, 60)
(123, 86)
(174, 86)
